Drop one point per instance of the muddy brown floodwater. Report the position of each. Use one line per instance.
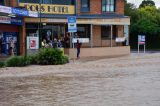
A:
(124, 81)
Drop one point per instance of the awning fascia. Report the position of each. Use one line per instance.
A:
(113, 21)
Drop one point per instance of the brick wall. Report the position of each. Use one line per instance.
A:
(97, 36)
(96, 7)
(120, 31)
(11, 3)
(120, 6)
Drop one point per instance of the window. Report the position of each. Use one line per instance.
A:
(106, 32)
(108, 5)
(1, 2)
(83, 31)
(85, 5)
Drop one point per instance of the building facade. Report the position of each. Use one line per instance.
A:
(101, 22)
(11, 22)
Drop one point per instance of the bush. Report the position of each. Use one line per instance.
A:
(16, 61)
(65, 59)
(32, 59)
(2, 64)
(46, 56)
(51, 56)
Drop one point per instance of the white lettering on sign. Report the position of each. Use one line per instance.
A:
(81, 40)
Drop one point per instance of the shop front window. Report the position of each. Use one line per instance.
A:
(83, 31)
(108, 5)
(48, 32)
(106, 32)
(56, 32)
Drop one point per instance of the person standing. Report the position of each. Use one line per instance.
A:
(12, 47)
(78, 46)
(55, 45)
(66, 40)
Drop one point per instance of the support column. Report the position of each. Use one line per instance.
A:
(70, 39)
(126, 34)
(111, 34)
(22, 35)
(91, 36)
(40, 24)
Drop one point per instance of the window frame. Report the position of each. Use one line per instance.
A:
(109, 6)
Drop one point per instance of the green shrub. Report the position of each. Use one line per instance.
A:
(65, 59)
(31, 59)
(51, 56)
(16, 61)
(2, 64)
(46, 56)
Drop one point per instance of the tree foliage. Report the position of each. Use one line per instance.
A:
(144, 20)
(147, 3)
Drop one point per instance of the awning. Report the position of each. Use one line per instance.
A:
(17, 11)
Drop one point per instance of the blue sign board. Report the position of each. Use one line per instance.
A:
(16, 21)
(72, 26)
(20, 12)
(141, 39)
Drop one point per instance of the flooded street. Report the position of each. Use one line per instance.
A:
(124, 81)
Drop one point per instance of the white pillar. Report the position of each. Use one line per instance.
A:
(111, 34)
(70, 39)
(126, 34)
(91, 36)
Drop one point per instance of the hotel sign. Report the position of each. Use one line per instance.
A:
(49, 9)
